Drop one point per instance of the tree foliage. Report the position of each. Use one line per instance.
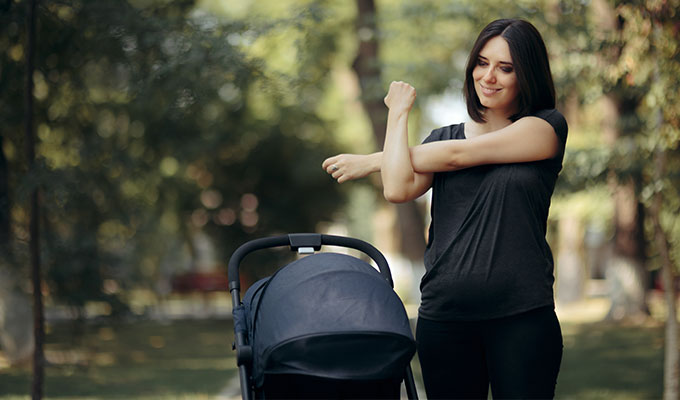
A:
(156, 118)
(152, 124)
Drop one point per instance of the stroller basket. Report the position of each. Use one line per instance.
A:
(328, 319)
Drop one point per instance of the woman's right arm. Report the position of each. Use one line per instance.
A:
(401, 182)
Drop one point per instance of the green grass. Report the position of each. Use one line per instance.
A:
(145, 360)
(193, 360)
(605, 361)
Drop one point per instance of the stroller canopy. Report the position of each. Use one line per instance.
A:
(328, 315)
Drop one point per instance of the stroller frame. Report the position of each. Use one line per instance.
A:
(303, 243)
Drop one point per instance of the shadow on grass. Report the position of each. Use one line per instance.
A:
(609, 361)
(191, 359)
(181, 359)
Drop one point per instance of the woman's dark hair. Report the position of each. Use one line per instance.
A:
(530, 62)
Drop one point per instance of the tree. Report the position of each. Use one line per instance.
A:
(650, 61)
(367, 66)
(34, 213)
(16, 320)
(153, 122)
(635, 47)
(617, 102)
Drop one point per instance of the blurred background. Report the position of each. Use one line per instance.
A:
(168, 133)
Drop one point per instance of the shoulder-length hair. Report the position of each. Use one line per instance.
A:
(530, 62)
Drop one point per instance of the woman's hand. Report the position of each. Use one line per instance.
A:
(400, 97)
(346, 167)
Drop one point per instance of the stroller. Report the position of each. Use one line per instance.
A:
(327, 325)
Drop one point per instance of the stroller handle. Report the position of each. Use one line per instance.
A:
(300, 242)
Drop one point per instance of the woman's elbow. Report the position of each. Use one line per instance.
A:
(395, 196)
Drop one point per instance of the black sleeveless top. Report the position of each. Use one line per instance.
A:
(487, 255)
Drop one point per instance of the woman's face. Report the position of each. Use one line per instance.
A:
(495, 79)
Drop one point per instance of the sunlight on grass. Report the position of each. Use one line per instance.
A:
(586, 311)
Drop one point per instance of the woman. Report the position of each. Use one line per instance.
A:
(487, 312)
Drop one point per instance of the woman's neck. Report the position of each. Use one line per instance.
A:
(493, 122)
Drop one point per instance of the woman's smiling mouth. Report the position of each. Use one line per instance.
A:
(488, 91)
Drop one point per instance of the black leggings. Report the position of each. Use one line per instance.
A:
(519, 356)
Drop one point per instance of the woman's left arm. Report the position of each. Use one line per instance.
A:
(527, 139)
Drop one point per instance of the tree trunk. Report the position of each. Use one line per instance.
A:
(571, 274)
(34, 219)
(16, 324)
(671, 370)
(671, 356)
(4, 203)
(625, 272)
(16, 340)
(410, 226)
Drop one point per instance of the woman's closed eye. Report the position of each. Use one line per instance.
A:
(505, 67)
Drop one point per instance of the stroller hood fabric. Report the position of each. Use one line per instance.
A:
(328, 315)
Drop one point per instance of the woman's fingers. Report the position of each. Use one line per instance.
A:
(326, 163)
(340, 167)
(332, 167)
(346, 167)
(329, 163)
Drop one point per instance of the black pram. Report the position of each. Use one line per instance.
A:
(327, 325)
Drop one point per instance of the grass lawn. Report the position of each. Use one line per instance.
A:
(191, 359)
(604, 361)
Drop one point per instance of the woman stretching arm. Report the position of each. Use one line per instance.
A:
(527, 139)
(486, 317)
(400, 181)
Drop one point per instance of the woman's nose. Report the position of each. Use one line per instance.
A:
(490, 76)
